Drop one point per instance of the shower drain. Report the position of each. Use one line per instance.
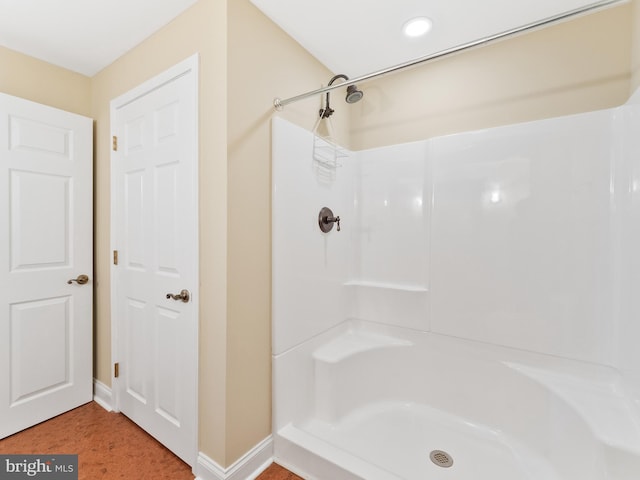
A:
(441, 459)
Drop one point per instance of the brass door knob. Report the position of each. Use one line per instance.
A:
(184, 296)
(80, 280)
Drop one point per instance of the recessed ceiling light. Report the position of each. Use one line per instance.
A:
(416, 27)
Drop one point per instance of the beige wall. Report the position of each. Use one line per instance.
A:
(201, 29)
(575, 66)
(38, 81)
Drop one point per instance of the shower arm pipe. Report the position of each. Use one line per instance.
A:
(280, 103)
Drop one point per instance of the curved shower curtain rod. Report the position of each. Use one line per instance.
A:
(279, 103)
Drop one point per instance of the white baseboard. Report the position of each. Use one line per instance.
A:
(252, 464)
(102, 395)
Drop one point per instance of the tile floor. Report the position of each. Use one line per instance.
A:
(109, 447)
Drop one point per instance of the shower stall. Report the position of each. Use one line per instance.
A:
(476, 316)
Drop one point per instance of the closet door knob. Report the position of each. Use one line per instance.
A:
(184, 295)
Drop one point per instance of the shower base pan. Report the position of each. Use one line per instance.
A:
(371, 402)
(395, 441)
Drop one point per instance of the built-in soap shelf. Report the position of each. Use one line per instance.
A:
(386, 286)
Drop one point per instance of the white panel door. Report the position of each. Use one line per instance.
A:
(155, 232)
(46, 217)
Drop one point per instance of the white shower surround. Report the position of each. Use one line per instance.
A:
(482, 294)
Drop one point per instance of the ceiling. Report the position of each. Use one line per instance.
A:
(357, 37)
(82, 35)
(354, 37)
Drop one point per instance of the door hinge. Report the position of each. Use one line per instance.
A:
(116, 370)
(114, 143)
(115, 257)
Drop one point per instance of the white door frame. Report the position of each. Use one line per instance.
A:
(189, 65)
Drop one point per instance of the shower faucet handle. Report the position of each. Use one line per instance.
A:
(326, 219)
(335, 220)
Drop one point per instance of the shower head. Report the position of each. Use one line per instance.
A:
(353, 95)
